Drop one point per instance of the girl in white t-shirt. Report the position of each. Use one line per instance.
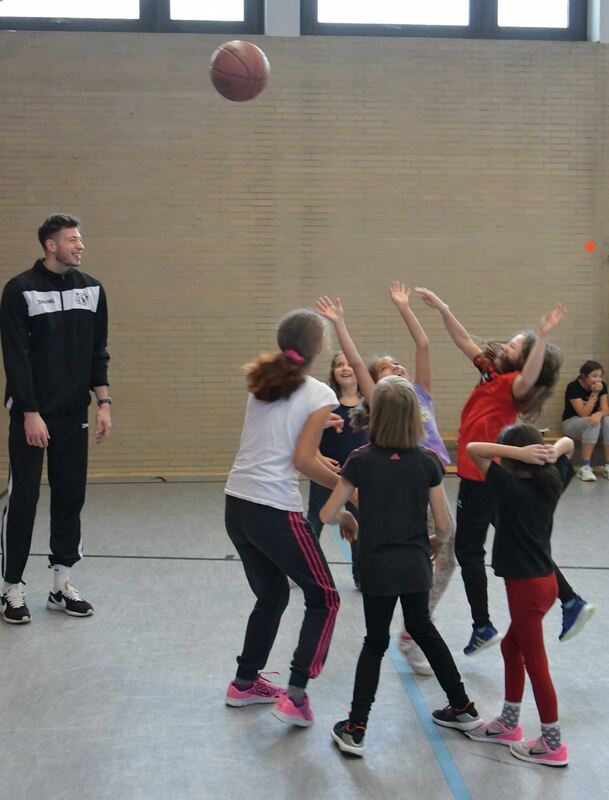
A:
(286, 412)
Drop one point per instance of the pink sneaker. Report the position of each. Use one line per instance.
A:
(287, 711)
(538, 751)
(495, 732)
(261, 691)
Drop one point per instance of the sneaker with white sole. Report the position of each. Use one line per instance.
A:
(349, 737)
(261, 691)
(575, 613)
(287, 711)
(14, 609)
(586, 474)
(481, 638)
(495, 732)
(414, 655)
(463, 719)
(69, 601)
(538, 751)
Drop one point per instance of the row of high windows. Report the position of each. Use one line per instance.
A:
(553, 19)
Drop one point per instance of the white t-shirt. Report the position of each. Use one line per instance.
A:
(263, 471)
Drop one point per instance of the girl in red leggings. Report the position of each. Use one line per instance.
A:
(526, 484)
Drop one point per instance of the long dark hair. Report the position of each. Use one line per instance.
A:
(544, 475)
(531, 404)
(275, 376)
(331, 381)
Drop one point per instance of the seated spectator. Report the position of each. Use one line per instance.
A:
(586, 415)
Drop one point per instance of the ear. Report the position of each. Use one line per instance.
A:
(50, 245)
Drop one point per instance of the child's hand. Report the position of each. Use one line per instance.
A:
(330, 463)
(354, 499)
(535, 454)
(551, 454)
(431, 299)
(330, 309)
(335, 421)
(595, 419)
(550, 320)
(435, 545)
(348, 527)
(597, 387)
(399, 293)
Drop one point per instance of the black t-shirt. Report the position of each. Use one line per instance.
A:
(340, 445)
(576, 391)
(523, 525)
(393, 488)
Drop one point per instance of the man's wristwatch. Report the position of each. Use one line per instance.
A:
(104, 401)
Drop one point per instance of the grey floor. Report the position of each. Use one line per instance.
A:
(129, 703)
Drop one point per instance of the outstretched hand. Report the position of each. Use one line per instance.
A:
(550, 320)
(330, 309)
(431, 299)
(399, 293)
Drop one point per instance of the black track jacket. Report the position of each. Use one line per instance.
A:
(54, 331)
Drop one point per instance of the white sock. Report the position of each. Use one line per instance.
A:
(61, 574)
(6, 586)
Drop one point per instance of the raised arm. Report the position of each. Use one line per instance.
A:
(531, 370)
(400, 295)
(333, 311)
(457, 332)
(483, 453)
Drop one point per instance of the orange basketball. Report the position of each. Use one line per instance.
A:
(239, 70)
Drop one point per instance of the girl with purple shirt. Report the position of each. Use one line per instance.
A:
(443, 546)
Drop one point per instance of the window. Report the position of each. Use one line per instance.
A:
(206, 16)
(81, 9)
(489, 19)
(394, 12)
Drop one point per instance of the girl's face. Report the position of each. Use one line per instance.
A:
(512, 351)
(343, 373)
(389, 366)
(592, 379)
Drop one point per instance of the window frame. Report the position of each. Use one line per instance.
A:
(154, 18)
(483, 25)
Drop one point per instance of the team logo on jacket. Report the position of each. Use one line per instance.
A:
(81, 298)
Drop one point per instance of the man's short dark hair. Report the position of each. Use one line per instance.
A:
(54, 224)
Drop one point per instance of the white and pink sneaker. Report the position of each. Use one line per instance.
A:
(496, 732)
(261, 691)
(538, 751)
(287, 711)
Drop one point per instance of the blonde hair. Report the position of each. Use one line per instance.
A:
(395, 418)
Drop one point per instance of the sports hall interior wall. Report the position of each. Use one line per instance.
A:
(476, 168)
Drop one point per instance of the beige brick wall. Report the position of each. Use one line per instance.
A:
(477, 168)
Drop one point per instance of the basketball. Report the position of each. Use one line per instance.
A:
(239, 70)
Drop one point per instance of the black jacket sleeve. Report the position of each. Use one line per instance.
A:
(99, 363)
(15, 335)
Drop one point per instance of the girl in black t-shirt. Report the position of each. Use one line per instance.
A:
(395, 480)
(526, 485)
(585, 417)
(335, 446)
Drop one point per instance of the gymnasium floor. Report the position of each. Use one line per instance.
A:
(129, 704)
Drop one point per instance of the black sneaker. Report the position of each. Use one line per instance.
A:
(70, 601)
(464, 719)
(14, 609)
(349, 737)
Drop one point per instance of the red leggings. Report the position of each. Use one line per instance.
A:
(529, 600)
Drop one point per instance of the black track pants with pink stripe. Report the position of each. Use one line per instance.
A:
(272, 545)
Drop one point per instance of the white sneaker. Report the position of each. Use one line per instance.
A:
(414, 655)
(605, 471)
(586, 474)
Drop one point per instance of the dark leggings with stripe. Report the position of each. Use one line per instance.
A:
(272, 545)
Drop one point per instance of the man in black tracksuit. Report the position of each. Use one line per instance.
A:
(53, 321)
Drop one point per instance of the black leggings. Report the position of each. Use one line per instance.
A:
(273, 544)
(379, 612)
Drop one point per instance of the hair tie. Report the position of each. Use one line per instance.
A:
(293, 356)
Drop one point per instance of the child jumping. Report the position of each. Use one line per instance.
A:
(526, 485)
(516, 377)
(443, 547)
(286, 412)
(395, 480)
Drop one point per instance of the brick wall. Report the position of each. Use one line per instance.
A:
(476, 168)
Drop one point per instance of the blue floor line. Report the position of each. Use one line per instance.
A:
(442, 753)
